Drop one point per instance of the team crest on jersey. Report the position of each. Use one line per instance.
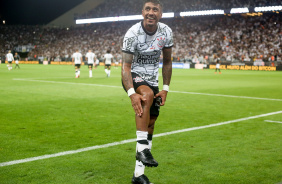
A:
(138, 79)
(161, 42)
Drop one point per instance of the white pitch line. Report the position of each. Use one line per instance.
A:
(183, 92)
(130, 140)
(56, 82)
(273, 121)
(231, 96)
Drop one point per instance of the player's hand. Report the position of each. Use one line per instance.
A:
(136, 102)
(163, 95)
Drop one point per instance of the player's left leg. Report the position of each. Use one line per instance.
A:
(151, 130)
(90, 70)
(109, 70)
(10, 67)
(106, 70)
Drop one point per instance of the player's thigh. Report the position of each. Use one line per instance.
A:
(146, 92)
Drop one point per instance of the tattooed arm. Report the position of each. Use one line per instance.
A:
(128, 83)
(167, 66)
(166, 72)
(126, 70)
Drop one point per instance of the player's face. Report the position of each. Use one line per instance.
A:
(152, 13)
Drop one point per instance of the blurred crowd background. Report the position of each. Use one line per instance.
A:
(234, 38)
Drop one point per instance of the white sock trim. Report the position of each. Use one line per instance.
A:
(141, 135)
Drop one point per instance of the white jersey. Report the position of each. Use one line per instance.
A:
(217, 63)
(76, 56)
(147, 49)
(10, 57)
(108, 59)
(90, 56)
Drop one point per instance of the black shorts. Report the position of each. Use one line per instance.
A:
(90, 65)
(9, 62)
(77, 66)
(138, 81)
(107, 65)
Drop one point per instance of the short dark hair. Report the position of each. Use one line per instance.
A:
(154, 2)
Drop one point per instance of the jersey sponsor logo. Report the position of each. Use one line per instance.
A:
(148, 58)
(138, 79)
(148, 77)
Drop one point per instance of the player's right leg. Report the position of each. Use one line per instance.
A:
(139, 172)
(142, 122)
(106, 70)
(76, 71)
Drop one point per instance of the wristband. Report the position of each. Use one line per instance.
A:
(131, 91)
(166, 87)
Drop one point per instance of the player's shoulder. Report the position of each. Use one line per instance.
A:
(135, 28)
(164, 26)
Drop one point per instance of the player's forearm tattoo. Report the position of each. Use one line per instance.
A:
(126, 70)
(167, 66)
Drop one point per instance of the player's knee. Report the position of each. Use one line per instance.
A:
(149, 95)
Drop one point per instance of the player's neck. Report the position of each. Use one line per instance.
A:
(149, 29)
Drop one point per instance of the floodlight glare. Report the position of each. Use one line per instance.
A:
(268, 8)
(204, 12)
(239, 10)
(115, 19)
(168, 15)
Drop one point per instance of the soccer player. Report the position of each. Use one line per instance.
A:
(10, 59)
(108, 59)
(76, 61)
(91, 57)
(142, 46)
(17, 58)
(97, 63)
(217, 64)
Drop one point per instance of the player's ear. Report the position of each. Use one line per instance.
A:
(143, 14)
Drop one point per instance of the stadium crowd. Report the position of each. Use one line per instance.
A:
(234, 38)
(112, 8)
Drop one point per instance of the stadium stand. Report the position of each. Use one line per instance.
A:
(235, 38)
(113, 8)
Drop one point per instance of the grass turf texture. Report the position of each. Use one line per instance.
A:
(50, 112)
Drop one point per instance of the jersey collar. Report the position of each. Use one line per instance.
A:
(148, 33)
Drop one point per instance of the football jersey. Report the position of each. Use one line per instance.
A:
(108, 58)
(17, 57)
(77, 57)
(9, 57)
(90, 56)
(147, 49)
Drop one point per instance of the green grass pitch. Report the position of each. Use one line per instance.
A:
(45, 110)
